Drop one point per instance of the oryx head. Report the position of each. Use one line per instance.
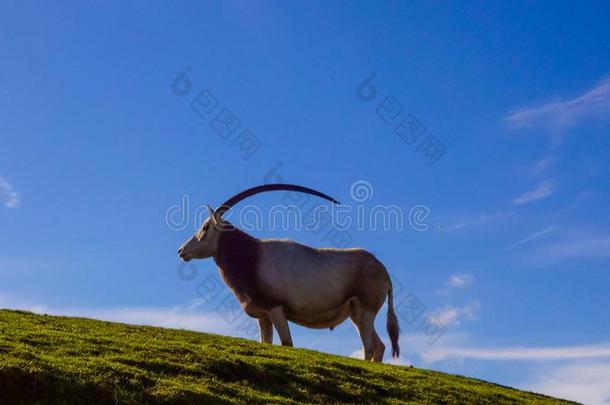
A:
(204, 243)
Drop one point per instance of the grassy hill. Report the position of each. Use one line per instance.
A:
(49, 359)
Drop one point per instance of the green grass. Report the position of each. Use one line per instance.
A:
(49, 359)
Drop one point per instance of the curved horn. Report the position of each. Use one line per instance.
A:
(268, 187)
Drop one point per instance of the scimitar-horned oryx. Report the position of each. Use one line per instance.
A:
(277, 281)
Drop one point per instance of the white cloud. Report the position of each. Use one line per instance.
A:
(451, 315)
(479, 221)
(448, 315)
(460, 280)
(183, 316)
(562, 115)
(457, 281)
(519, 353)
(399, 361)
(581, 198)
(175, 317)
(541, 166)
(543, 190)
(8, 194)
(587, 382)
(580, 372)
(581, 248)
(533, 236)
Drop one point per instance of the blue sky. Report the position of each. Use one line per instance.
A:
(97, 147)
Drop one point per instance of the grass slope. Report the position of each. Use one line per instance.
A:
(49, 359)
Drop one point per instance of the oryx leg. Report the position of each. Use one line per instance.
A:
(266, 328)
(364, 321)
(379, 347)
(279, 321)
